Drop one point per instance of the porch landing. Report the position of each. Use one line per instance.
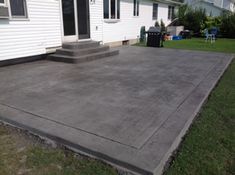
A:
(79, 52)
(130, 111)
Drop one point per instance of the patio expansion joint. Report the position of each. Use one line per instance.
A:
(60, 123)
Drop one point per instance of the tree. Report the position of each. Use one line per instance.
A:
(192, 19)
(162, 25)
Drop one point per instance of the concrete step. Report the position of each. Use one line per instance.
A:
(80, 45)
(84, 58)
(81, 52)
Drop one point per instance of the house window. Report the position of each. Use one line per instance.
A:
(2, 2)
(171, 12)
(136, 7)
(155, 11)
(111, 9)
(18, 8)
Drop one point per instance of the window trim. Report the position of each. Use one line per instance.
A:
(4, 4)
(111, 20)
(155, 17)
(20, 18)
(136, 8)
(171, 10)
(117, 17)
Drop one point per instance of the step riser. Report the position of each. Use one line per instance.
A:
(91, 58)
(59, 59)
(81, 52)
(80, 46)
(84, 58)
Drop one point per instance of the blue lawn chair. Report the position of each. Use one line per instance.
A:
(214, 31)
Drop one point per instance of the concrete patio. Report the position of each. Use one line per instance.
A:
(130, 110)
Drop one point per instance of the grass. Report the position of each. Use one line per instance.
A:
(23, 155)
(221, 45)
(209, 146)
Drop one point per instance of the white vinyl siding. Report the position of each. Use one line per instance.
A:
(128, 27)
(31, 37)
(210, 9)
(42, 29)
(96, 20)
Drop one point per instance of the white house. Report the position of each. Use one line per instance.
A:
(35, 27)
(213, 7)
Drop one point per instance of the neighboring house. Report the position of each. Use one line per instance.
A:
(213, 7)
(34, 27)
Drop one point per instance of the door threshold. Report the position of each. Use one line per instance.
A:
(77, 41)
(82, 40)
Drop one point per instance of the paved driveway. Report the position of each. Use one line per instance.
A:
(130, 110)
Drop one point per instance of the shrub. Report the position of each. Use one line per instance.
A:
(196, 20)
(163, 27)
(212, 22)
(157, 24)
(142, 34)
(227, 27)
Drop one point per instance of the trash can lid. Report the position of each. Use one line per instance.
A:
(154, 30)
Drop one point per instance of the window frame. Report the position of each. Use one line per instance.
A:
(171, 11)
(117, 11)
(155, 17)
(15, 17)
(136, 8)
(4, 4)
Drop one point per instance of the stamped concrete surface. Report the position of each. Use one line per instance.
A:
(130, 110)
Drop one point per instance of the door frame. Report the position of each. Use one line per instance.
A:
(73, 38)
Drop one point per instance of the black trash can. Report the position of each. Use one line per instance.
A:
(154, 37)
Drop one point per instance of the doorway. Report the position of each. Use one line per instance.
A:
(83, 19)
(76, 20)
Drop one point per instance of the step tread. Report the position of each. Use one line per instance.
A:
(78, 57)
(83, 58)
(80, 45)
(83, 49)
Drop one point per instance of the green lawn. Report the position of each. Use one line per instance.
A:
(22, 154)
(221, 45)
(209, 146)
